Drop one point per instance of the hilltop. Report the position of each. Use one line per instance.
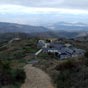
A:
(64, 73)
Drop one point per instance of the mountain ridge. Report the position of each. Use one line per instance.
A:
(69, 26)
(12, 27)
(40, 31)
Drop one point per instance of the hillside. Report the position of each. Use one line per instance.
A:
(12, 27)
(10, 30)
(61, 30)
(72, 72)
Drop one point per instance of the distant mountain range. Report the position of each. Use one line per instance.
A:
(10, 30)
(70, 30)
(11, 27)
(69, 26)
(61, 29)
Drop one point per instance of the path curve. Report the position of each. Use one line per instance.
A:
(36, 78)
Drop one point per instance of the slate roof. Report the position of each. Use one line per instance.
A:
(65, 52)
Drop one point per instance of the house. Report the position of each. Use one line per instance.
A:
(78, 52)
(57, 46)
(64, 56)
(41, 43)
(46, 45)
(65, 53)
(68, 45)
(61, 51)
(50, 50)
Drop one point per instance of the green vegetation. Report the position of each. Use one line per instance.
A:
(71, 73)
(10, 76)
(13, 57)
(86, 54)
(19, 49)
(67, 73)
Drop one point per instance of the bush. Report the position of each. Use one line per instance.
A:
(86, 54)
(9, 76)
(18, 76)
(69, 64)
(63, 80)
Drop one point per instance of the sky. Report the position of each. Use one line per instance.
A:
(43, 12)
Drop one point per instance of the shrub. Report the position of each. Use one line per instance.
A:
(69, 64)
(9, 76)
(86, 54)
(19, 76)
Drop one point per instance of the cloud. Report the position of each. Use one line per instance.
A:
(71, 4)
(18, 9)
(43, 11)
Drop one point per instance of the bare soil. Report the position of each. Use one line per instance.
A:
(36, 78)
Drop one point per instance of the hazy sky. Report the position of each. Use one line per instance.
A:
(42, 12)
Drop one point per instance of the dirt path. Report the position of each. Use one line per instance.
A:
(36, 78)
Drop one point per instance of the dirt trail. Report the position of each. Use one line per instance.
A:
(36, 78)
